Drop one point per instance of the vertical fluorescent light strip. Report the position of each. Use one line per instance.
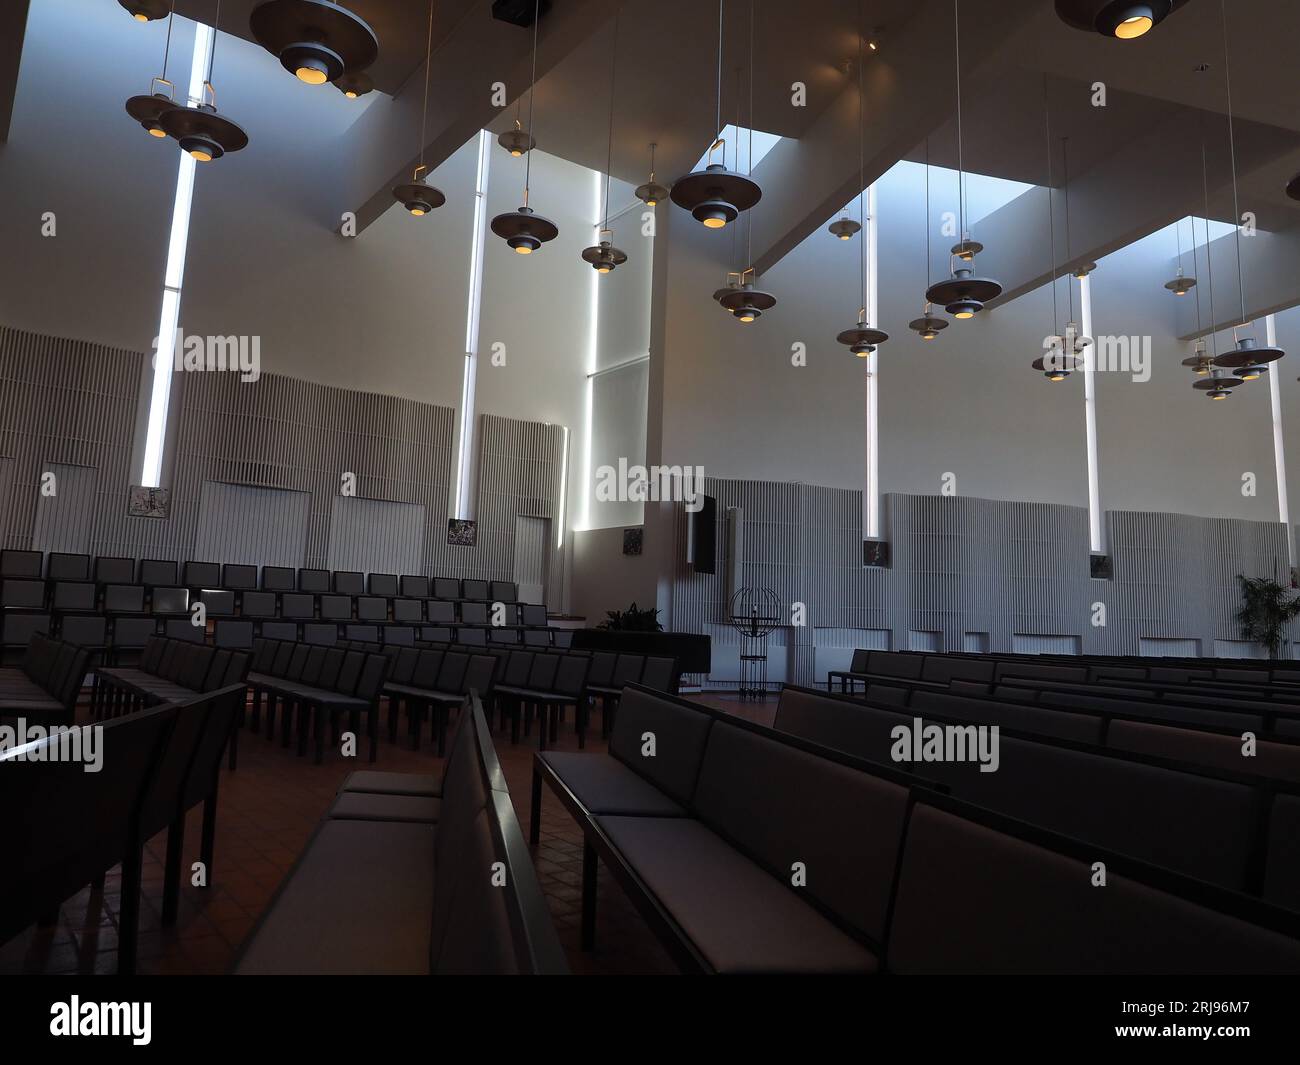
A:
(564, 489)
(871, 493)
(173, 280)
(1279, 450)
(464, 505)
(592, 360)
(1096, 539)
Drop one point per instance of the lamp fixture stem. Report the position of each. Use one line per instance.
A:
(719, 90)
(1232, 150)
(212, 55)
(167, 48)
(532, 92)
(862, 191)
(1051, 211)
(927, 214)
(749, 163)
(428, 65)
(609, 152)
(1209, 259)
(961, 169)
(1065, 167)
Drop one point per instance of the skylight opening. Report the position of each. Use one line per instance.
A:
(736, 149)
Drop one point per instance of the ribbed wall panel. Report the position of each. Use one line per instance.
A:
(376, 535)
(75, 403)
(251, 526)
(65, 518)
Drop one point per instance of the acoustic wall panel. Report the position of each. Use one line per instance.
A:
(375, 536)
(65, 508)
(245, 524)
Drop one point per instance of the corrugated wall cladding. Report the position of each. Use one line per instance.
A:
(961, 568)
(75, 404)
(70, 403)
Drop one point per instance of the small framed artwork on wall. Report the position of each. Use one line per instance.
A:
(142, 502)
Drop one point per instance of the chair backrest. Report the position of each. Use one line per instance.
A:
(1085, 728)
(314, 581)
(154, 647)
(19, 628)
(571, 676)
(534, 614)
(471, 637)
(451, 676)
(170, 601)
(349, 582)
(372, 608)
(85, 822)
(218, 603)
(415, 586)
(85, 631)
(201, 575)
(156, 571)
(517, 667)
(321, 633)
(363, 634)
(279, 579)
(39, 658)
(841, 820)
(184, 630)
(435, 634)
(404, 666)
(542, 638)
(425, 674)
(1272, 760)
(22, 594)
(504, 591)
(541, 675)
(224, 706)
(263, 654)
(15, 563)
(440, 612)
(372, 677)
(336, 607)
(61, 566)
(659, 674)
(860, 661)
(237, 634)
(133, 632)
(473, 589)
(281, 630)
(350, 672)
(680, 735)
(976, 898)
(627, 670)
(330, 667)
(474, 613)
(446, 588)
(297, 661)
(114, 570)
(162, 801)
(602, 668)
(479, 675)
(283, 654)
(503, 635)
(124, 599)
(162, 665)
(1282, 871)
(398, 636)
(297, 605)
(239, 578)
(197, 665)
(313, 665)
(383, 584)
(408, 610)
(257, 605)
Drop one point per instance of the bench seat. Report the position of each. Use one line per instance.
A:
(604, 785)
(390, 783)
(372, 806)
(370, 884)
(738, 916)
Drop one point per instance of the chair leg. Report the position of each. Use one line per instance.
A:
(514, 723)
(208, 840)
(304, 719)
(535, 822)
(234, 749)
(128, 918)
(372, 726)
(394, 708)
(588, 895)
(172, 870)
(580, 722)
(320, 732)
(556, 714)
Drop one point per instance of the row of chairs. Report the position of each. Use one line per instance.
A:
(169, 671)
(311, 687)
(47, 684)
(86, 597)
(104, 570)
(66, 827)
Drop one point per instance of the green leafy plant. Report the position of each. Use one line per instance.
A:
(1266, 609)
(633, 619)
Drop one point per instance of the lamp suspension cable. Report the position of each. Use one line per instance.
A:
(1209, 259)
(961, 169)
(212, 54)
(167, 48)
(862, 191)
(718, 120)
(532, 92)
(609, 151)
(1178, 239)
(749, 162)
(428, 69)
(1065, 175)
(1051, 210)
(1232, 151)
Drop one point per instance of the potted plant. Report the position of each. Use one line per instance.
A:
(633, 619)
(1266, 609)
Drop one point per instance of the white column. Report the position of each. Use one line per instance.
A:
(1279, 451)
(1096, 533)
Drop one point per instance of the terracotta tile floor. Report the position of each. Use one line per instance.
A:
(268, 809)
